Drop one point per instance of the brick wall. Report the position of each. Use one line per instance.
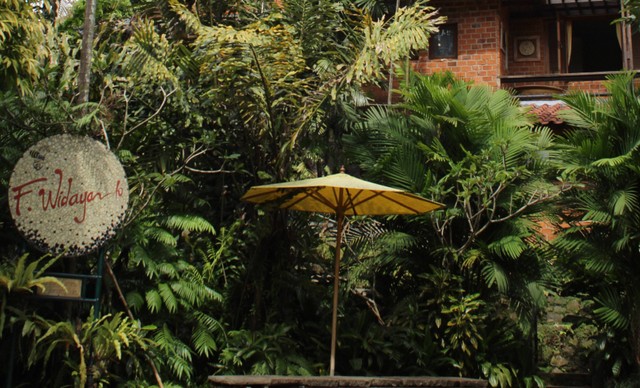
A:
(593, 86)
(596, 87)
(534, 28)
(487, 33)
(479, 55)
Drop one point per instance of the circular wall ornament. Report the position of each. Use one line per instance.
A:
(527, 47)
(68, 194)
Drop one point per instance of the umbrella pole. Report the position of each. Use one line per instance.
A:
(336, 281)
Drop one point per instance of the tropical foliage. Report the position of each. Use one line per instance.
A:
(201, 100)
(601, 239)
(22, 48)
(478, 152)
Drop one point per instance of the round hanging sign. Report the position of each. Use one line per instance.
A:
(68, 194)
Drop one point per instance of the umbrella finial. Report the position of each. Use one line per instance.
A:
(342, 169)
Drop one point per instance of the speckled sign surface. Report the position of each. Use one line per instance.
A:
(68, 194)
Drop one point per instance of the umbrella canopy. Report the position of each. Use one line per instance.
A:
(340, 194)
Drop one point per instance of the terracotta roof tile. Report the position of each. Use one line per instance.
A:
(547, 113)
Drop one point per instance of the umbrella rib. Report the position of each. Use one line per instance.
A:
(351, 201)
(324, 200)
(314, 193)
(399, 203)
(338, 196)
(308, 192)
(250, 198)
(354, 204)
(383, 195)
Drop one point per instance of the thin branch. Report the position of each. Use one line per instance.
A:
(371, 304)
(104, 133)
(177, 170)
(195, 154)
(218, 171)
(534, 199)
(125, 119)
(148, 201)
(123, 300)
(165, 97)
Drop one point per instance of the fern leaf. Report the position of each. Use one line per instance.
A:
(190, 223)
(154, 300)
(162, 236)
(168, 297)
(203, 341)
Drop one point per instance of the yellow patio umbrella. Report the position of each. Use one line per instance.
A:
(343, 195)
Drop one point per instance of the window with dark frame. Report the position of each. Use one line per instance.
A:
(595, 46)
(589, 44)
(444, 44)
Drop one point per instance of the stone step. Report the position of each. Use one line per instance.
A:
(565, 380)
(567, 386)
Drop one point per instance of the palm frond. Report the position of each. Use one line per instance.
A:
(625, 200)
(598, 262)
(494, 274)
(611, 310)
(146, 53)
(388, 41)
(537, 293)
(509, 246)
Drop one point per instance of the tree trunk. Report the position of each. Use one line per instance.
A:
(84, 76)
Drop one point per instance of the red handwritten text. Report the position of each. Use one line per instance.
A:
(61, 196)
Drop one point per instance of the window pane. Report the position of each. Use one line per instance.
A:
(594, 46)
(444, 44)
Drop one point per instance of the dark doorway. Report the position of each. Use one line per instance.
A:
(594, 46)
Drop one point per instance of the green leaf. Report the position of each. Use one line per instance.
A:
(154, 300)
(190, 223)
